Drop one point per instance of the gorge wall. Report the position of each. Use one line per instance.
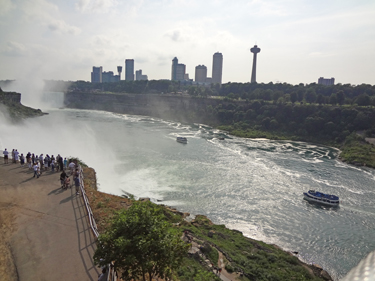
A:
(176, 107)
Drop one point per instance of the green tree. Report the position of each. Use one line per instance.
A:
(310, 95)
(363, 100)
(141, 243)
(340, 97)
(293, 97)
(320, 99)
(333, 99)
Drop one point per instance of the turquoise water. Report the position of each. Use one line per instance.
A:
(254, 186)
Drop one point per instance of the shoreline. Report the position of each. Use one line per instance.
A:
(99, 198)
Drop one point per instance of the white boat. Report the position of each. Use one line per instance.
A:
(321, 198)
(181, 139)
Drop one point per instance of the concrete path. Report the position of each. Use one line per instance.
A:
(52, 239)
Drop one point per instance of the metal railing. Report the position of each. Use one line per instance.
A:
(112, 274)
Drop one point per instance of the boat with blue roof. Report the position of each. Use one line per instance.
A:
(181, 139)
(321, 198)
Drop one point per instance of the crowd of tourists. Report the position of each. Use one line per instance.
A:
(41, 163)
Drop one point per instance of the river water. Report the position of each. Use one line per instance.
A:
(252, 185)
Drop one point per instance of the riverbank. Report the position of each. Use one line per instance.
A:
(44, 232)
(355, 149)
(239, 257)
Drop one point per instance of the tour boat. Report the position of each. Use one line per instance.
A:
(321, 198)
(181, 140)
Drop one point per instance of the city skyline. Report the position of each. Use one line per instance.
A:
(300, 41)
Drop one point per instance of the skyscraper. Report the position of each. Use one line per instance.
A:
(174, 69)
(255, 50)
(200, 74)
(96, 74)
(129, 70)
(217, 68)
(140, 76)
(178, 70)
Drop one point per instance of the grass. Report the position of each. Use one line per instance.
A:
(257, 260)
(356, 150)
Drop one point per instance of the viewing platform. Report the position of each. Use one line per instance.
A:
(45, 231)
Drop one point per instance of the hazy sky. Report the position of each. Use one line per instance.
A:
(300, 40)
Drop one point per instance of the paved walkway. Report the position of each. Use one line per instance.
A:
(52, 239)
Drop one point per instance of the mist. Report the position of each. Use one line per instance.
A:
(54, 133)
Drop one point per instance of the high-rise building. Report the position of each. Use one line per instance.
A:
(200, 74)
(217, 68)
(174, 69)
(108, 77)
(255, 50)
(96, 74)
(178, 70)
(129, 70)
(326, 81)
(140, 76)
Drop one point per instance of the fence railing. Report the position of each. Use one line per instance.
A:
(112, 275)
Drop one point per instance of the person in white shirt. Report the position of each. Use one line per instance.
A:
(5, 152)
(36, 168)
(16, 153)
(71, 167)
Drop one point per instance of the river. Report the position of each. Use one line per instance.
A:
(252, 185)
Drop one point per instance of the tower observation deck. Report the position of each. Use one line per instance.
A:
(255, 50)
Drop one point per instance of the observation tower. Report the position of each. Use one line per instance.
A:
(254, 50)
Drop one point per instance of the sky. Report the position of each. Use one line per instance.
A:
(300, 40)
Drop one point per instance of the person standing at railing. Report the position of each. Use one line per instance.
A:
(16, 153)
(60, 162)
(28, 160)
(5, 152)
(71, 167)
(22, 159)
(103, 275)
(76, 183)
(13, 158)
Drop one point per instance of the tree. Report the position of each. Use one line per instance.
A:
(320, 99)
(141, 243)
(310, 95)
(333, 99)
(340, 97)
(293, 97)
(363, 100)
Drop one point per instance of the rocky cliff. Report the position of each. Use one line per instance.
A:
(176, 107)
(10, 104)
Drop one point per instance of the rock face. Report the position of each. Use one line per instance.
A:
(11, 103)
(174, 107)
(10, 97)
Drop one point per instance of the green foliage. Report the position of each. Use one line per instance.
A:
(76, 159)
(141, 243)
(356, 151)
(192, 269)
(258, 261)
(204, 276)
